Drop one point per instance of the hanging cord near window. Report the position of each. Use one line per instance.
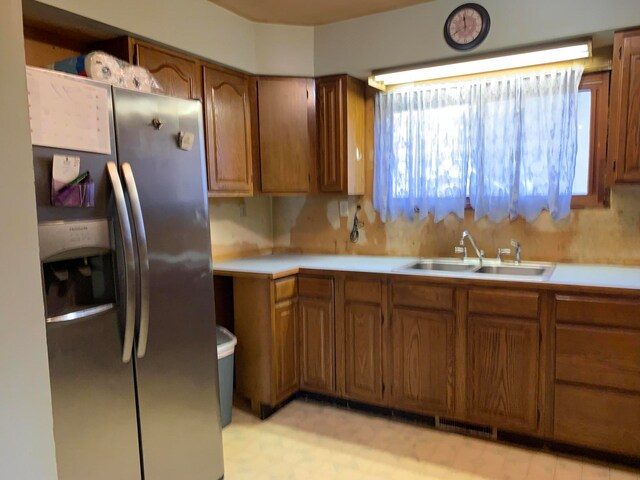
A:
(355, 234)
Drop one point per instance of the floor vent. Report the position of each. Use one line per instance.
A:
(455, 426)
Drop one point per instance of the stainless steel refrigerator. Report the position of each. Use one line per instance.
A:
(128, 290)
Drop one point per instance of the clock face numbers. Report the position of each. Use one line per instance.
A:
(465, 26)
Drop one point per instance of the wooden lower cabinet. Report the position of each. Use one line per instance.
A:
(598, 356)
(423, 348)
(266, 357)
(597, 418)
(285, 345)
(363, 352)
(563, 366)
(502, 372)
(317, 345)
(597, 372)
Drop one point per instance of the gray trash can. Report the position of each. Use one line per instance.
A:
(226, 346)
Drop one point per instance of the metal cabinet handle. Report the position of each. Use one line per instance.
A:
(129, 258)
(143, 257)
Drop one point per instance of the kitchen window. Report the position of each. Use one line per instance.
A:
(589, 189)
(513, 143)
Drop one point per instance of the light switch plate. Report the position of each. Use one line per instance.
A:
(344, 208)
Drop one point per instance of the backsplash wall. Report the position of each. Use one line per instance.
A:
(240, 227)
(254, 226)
(605, 235)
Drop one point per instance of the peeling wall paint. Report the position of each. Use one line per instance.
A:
(260, 225)
(240, 227)
(609, 235)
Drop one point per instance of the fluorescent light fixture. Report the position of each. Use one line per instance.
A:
(488, 64)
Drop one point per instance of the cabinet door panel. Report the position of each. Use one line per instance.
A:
(605, 419)
(317, 363)
(363, 352)
(632, 147)
(597, 310)
(604, 357)
(285, 348)
(624, 141)
(423, 359)
(502, 375)
(331, 132)
(286, 149)
(176, 74)
(228, 132)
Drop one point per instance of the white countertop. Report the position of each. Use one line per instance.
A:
(276, 266)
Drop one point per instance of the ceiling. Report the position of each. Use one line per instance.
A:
(310, 12)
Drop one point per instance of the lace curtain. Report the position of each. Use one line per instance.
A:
(507, 142)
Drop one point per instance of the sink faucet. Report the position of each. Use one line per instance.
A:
(462, 250)
(479, 252)
(518, 250)
(502, 251)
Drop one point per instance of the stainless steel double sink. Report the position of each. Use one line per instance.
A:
(487, 267)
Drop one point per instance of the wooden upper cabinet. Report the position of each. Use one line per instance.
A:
(502, 372)
(624, 137)
(228, 132)
(286, 110)
(340, 114)
(423, 360)
(178, 75)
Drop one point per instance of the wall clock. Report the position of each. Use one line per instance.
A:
(467, 26)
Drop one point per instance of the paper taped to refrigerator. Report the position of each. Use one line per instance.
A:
(67, 113)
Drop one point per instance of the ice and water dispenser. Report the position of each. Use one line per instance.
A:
(77, 267)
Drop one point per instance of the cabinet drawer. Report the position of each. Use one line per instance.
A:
(606, 311)
(598, 356)
(315, 287)
(363, 291)
(596, 418)
(513, 303)
(286, 288)
(422, 295)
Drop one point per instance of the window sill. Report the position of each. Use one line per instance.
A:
(578, 202)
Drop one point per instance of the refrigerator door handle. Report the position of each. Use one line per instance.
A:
(143, 257)
(129, 259)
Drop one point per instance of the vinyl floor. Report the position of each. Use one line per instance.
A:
(309, 441)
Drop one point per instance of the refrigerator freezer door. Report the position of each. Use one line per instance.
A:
(93, 399)
(177, 379)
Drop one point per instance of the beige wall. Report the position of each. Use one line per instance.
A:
(284, 50)
(240, 227)
(414, 34)
(203, 28)
(26, 432)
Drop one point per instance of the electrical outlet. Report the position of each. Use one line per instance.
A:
(344, 208)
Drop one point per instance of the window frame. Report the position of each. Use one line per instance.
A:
(598, 84)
